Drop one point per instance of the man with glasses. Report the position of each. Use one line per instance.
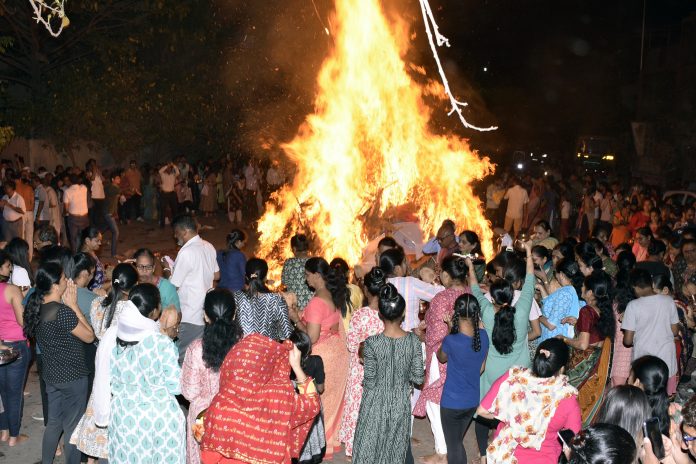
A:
(144, 261)
(444, 243)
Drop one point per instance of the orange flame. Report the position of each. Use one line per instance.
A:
(367, 149)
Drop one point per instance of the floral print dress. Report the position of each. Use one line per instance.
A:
(364, 323)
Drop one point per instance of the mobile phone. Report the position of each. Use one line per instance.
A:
(566, 436)
(651, 429)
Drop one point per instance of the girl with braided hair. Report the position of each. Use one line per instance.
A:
(464, 352)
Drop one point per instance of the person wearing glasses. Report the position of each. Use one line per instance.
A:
(144, 262)
(444, 243)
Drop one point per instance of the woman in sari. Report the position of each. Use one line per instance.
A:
(590, 362)
(321, 320)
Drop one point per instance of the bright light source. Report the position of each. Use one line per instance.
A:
(531, 154)
(609, 157)
(520, 165)
(544, 155)
(546, 173)
(485, 69)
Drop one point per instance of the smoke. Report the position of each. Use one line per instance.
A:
(274, 53)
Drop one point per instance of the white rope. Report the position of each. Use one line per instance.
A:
(56, 8)
(430, 29)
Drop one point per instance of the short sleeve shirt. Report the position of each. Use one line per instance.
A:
(587, 322)
(63, 353)
(651, 318)
(462, 385)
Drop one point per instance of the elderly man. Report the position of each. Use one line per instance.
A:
(193, 273)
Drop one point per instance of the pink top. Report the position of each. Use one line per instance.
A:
(567, 416)
(320, 312)
(10, 330)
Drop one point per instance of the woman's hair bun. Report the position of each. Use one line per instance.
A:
(388, 293)
(378, 276)
(461, 264)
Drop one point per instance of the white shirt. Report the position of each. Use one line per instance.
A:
(168, 180)
(517, 197)
(97, 188)
(75, 200)
(273, 177)
(565, 210)
(41, 196)
(193, 275)
(651, 318)
(20, 277)
(252, 183)
(17, 201)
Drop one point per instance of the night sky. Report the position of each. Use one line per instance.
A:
(555, 69)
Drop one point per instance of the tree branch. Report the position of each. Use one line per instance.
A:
(16, 80)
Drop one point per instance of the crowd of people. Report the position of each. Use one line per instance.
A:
(562, 347)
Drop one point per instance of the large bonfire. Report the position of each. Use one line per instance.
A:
(367, 153)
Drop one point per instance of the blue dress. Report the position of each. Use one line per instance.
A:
(147, 425)
(560, 304)
(232, 265)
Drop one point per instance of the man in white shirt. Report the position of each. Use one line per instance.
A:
(97, 210)
(274, 177)
(193, 273)
(13, 208)
(517, 207)
(650, 324)
(75, 202)
(42, 212)
(169, 205)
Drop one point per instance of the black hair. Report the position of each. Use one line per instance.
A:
(10, 183)
(60, 255)
(593, 261)
(602, 227)
(255, 272)
(626, 406)
(600, 285)
(515, 271)
(186, 222)
(47, 276)
(387, 242)
(653, 374)
(626, 261)
(598, 246)
(5, 258)
(335, 282)
(544, 225)
(374, 280)
(466, 306)
(144, 252)
(90, 232)
(82, 262)
(222, 331)
(123, 278)
(299, 242)
(656, 247)
(542, 252)
(145, 297)
(603, 444)
(340, 265)
(391, 304)
(472, 238)
(233, 237)
(571, 270)
(621, 247)
(645, 232)
(47, 233)
(455, 267)
(390, 259)
(303, 343)
(662, 281)
(641, 278)
(585, 248)
(18, 251)
(504, 335)
(548, 366)
(566, 249)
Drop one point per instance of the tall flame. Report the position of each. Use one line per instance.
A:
(367, 149)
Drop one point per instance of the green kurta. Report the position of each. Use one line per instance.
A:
(498, 364)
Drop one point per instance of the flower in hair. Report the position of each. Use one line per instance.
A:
(254, 276)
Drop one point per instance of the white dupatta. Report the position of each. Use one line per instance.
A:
(132, 327)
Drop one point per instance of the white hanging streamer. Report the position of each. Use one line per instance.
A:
(57, 8)
(430, 29)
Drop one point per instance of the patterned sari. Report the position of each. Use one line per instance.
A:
(588, 371)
